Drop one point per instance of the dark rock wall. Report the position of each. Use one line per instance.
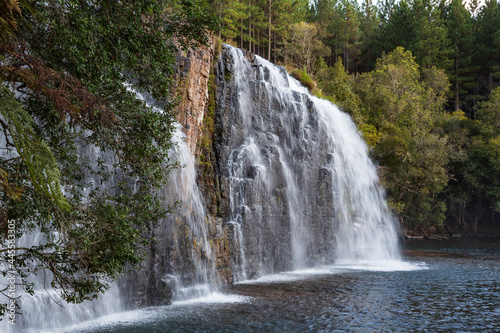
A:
(264, 131)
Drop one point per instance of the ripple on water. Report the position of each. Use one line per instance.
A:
(458, 291)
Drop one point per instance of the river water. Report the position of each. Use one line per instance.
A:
(439, 287)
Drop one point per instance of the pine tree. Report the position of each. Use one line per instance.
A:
(460, 31)
(370, 31)
(398, 28)
(488, 45)
(232, 14)
(431, 44)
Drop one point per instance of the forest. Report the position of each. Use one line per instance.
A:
(419, 77)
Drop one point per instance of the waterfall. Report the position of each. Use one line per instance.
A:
(182, 241)
(297, 190)
(367, 230)
(201, 279)
(303, 189)
(46, 309)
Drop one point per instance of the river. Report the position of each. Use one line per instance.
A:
(439, 287)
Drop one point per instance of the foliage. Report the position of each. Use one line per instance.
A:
(303, 46)
(461, 33)
(8, 23)
(304, 78)
(68, 71)
(489, 114)
(336, 83)
(413, 158)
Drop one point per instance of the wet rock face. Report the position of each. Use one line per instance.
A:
(192, 76)
(191, 247)
(274, 167)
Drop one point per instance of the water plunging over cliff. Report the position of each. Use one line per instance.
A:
(180, 263)
(301, 185)
(295, 189)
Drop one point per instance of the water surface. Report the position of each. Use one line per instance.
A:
(441, 287)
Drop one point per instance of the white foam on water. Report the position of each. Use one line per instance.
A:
(381, 266)
(122, 318)
(136, 317)
(214, 298)
(340, 268)
(292, 275)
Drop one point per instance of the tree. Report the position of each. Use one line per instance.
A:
(404, 106)
(370, 31)
(460, 31)
(488, 45)
(349, 32)
(474, 189)
(304, 47)
(398, 28)
(231, 16)
(63, 85)
(336, 83)
(489, 115)
(431, 44)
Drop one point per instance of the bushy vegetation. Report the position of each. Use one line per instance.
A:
(66, 68)
(419, 77)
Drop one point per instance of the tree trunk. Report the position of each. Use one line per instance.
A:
(269, 31)
(220, 19)
(250, 26)
(457, 91)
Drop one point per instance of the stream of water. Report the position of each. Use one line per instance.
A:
(441, 287)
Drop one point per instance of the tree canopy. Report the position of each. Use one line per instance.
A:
(418, 77)
(68, 72)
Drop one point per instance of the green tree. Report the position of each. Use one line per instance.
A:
(232, 14)
(474, 189)
(403, 106)
(488, 45)
(327, 16)
(336, 83)
(370, 35)
(398, 26)
(431, 44)
(460, 31)
(304, 46)
(489, 115)
(63, 85)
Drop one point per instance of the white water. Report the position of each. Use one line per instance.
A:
(340, 268)
(367, 230)
(284, 122)
(183, 189)
(46, 311)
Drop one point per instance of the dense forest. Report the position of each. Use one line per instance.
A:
(420, 78)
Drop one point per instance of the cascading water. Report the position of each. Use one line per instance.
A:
(46, 300)
(297, 190)
(183, 269)
(367, 230)
(302, 187)
(194, 250)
